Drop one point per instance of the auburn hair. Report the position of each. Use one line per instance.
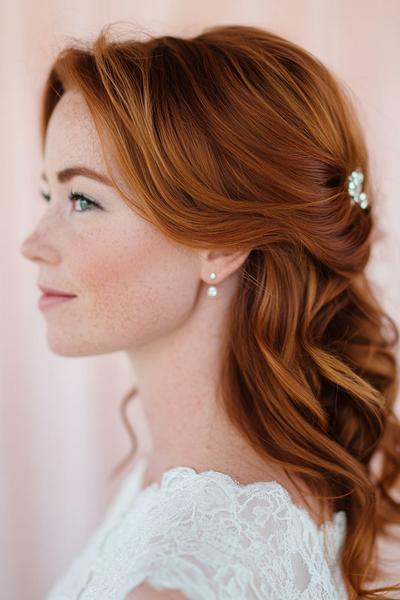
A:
(239, 138)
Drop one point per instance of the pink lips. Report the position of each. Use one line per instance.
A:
(47, 300)
(51, 297)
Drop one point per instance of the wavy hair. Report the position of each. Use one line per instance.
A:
(239, 138)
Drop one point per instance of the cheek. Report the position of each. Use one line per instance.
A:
(133, 288)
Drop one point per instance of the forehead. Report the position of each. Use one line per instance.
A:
(71, 136)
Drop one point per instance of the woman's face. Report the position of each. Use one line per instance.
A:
(133, 285)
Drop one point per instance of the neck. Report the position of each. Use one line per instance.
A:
(176, 377)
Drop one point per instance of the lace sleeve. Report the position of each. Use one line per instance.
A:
(212, 538)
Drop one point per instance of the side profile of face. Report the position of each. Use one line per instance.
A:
(133, 285)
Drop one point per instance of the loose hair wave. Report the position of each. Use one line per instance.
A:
(239, 138)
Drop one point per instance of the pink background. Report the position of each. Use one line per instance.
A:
(60, 430)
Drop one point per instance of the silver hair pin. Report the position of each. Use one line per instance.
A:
(356, 194)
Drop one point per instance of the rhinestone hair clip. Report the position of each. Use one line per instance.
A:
(355, 188)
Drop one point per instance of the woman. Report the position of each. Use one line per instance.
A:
(210, 213)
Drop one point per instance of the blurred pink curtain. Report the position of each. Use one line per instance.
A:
(60, 429)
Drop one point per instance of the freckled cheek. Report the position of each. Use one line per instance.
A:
(124, 278)
(107, 271)
(144, 282)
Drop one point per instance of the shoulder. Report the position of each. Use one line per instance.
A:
(187, 503)
(211, 498)
(209, 536)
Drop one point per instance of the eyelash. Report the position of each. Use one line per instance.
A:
(77, 196)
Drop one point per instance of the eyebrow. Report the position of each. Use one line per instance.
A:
(66, 174)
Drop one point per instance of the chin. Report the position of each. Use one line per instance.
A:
(73, 348)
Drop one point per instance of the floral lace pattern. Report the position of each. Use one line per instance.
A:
(210, 537)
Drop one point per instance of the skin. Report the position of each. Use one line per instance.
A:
(143, 294)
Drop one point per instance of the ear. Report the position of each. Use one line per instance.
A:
(146, 592)
(221, 262)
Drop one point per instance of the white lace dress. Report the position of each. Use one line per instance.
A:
(210, 537)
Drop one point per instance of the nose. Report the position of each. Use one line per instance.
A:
(25, 247)
(34, 248)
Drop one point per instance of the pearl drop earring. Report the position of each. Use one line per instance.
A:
(212, 289)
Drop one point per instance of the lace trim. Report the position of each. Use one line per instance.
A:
(206, 534)
(171, 475)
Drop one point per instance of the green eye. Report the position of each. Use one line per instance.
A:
(76, 197)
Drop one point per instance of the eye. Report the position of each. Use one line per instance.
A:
(76, 197)
(90, 204)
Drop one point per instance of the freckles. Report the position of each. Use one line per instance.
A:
(131, 282)
(112, 270)
(133, 289)
(98, 261)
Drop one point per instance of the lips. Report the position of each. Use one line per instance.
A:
(53, 292)
(52, 297)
